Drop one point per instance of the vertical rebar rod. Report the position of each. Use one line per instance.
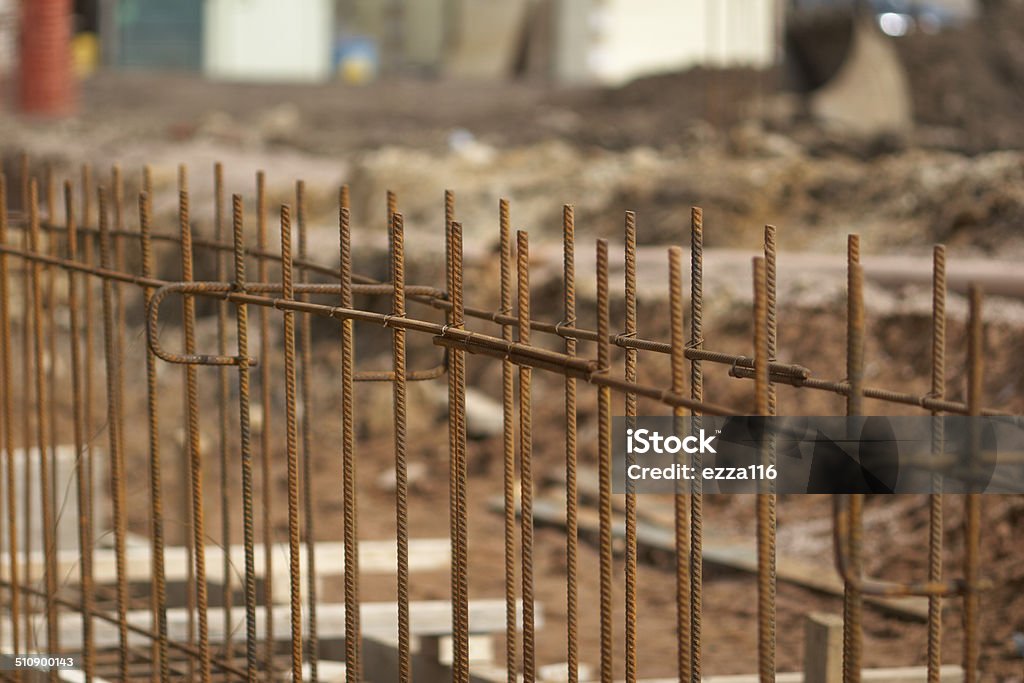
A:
(765, 500)
(571, 493)
(456, 441)
(266, 445)
(88, 389)
(972, 501)
(7, 427)
(604, 460)
(114, 438)
(155, 464)
(681, 506)
(852, 599)
(85, 530)
(195, 457)
(28, 511)
(461, 566)
(223, 420)
(630, 375)
(158, 586)
(401, 470)
(508, 443)
(697, 394)
(42, 431)
(526, 457)
(292, 444)
(186, 461)
(245, 438)
(304, 368)
(348, 444)
(49, 325)
(938, 391)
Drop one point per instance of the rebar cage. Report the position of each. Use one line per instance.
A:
(118, 609)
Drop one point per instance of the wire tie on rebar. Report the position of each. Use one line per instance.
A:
(733, 371)
(444, 329)
(694, 343)
(567, 323)
(624, 335)
(387, 319)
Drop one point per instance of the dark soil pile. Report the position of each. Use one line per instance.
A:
(971, 79)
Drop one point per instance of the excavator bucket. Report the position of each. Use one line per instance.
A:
(851, 73)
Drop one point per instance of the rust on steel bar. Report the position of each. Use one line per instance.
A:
(604, 461)
(157, 651)
(223, 429)
(571, 496)
(117, 489)
(629, 374)
(85, 531)
(852, 598)
(972, 501)
(88, 256)
(938, 386)
(292, 446)
(353, 670)
(186, 461)
(397, 239)
(194, 457)
(50, 307)
(245, 440)
(27, 387)
(7, 428)
(155, 464)
(681, 507)
(740, 366)
(508, 444)
(42, 434)
(312, 645)
(697, 394)
(526, 458)
(266, 407)
(457, 441)
(765, 512)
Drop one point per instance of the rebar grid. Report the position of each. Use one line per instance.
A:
(46, 274)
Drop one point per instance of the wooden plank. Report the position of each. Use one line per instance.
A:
(427, 618)
(377, 557)
(739, 555)
(949, 673)
(823, 648)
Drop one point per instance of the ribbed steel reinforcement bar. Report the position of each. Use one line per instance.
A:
(40, 249)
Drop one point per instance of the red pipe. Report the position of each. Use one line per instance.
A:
(46, 84)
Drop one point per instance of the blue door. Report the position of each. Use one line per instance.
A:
(160, 34)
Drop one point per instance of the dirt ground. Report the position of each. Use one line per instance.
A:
(657, 146)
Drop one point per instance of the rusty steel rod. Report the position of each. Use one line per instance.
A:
(508, 444)
(571, 494)
(972, 501)
(155, 462)
(399, 398)
(697, 394)
(292, 448)
(604, 462)
(351, 527)
(935, 512)
(681, 507)
(305, 365)
(630, 375)
(852, 598)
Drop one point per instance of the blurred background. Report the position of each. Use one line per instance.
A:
(899, 120)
